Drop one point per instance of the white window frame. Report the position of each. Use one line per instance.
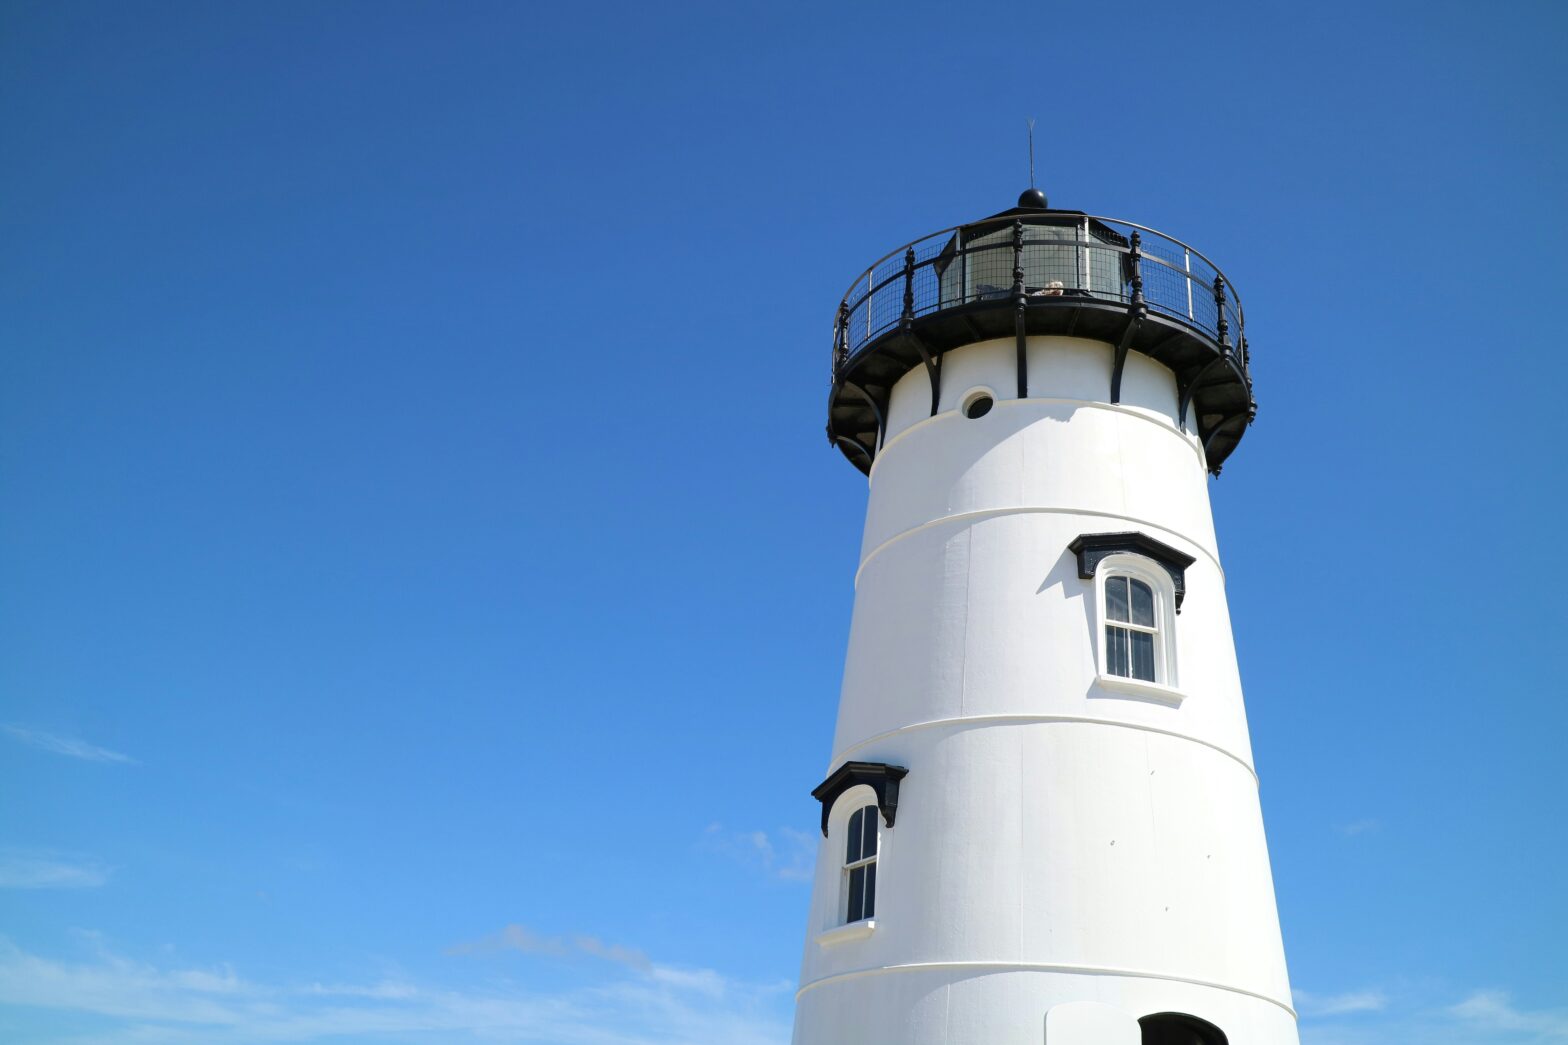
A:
(835, 929)
(846, 869)
(1165, 687)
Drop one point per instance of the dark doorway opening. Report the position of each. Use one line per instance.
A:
(1177, 1028)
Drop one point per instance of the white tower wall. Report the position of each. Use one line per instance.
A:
(1061, 838)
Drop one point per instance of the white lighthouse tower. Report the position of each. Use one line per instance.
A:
(1040, 818)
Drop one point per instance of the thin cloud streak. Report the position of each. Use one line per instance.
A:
(67, 746)
(1493, 1010)
(521, 938)
(149, 1003)
(24, 870)
(1315, 1005)
(1357, 827)
(1369, 1017)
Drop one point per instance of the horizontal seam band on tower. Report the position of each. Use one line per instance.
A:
(1116, 408)
(1024, 719)
(1079, 970)
(1031, 510)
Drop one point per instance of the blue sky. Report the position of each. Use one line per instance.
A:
(426, 579)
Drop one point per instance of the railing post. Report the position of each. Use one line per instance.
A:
(1020, 328)
(1085, 269)
(871, 281)
(1222, 325)
(909, 285)
(1135, 262)
(963, 271)
(1186, 260)
(1018, 261)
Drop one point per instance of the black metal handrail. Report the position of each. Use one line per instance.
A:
(1002, 258)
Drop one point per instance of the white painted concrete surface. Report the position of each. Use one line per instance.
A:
(1058, 840)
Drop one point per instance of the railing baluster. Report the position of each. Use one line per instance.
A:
(1221, 324)
(909, 285)
(963, 272)
(1135, 262)
(840, 339)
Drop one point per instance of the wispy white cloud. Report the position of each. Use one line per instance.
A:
(521, 938)
(1494, 1011)
(143, 1002)
(68, 746)
(1309, 1004)
(1371, 1017)
(20, 869)
(787, 854)
(1358, 827)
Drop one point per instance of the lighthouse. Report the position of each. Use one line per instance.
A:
(1040, 818)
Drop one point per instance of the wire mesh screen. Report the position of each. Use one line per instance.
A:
(1205, 313)
(927, 291)
(1166, 286)
(1079, 257)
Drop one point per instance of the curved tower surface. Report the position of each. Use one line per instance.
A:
(1040, 819)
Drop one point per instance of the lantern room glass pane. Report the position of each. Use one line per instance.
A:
(988, 263)
(1105, 271)
(1044, 263)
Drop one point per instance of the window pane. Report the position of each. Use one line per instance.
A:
(1142, 655)
(1116, 651)
(871, 890)
(869, 846)
(857, 890)
(1142, 604)
(1116, 598)
(852, 844)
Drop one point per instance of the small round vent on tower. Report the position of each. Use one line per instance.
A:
(978, 404)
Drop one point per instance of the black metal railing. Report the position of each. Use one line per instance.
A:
(1043, 256)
